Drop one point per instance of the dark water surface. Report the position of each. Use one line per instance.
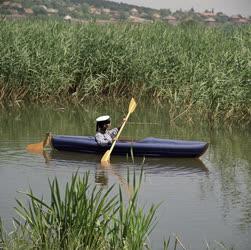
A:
(202, 200)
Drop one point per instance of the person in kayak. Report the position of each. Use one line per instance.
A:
(104, 134)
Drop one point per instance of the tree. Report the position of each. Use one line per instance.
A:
(222, 18)
(124, 15)
(39, 10)
(165, 12)
(85, 7)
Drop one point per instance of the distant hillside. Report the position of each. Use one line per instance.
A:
(100, 10)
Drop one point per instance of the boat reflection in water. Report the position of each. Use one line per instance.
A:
(120, 165)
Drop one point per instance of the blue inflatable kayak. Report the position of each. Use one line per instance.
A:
(151, 147)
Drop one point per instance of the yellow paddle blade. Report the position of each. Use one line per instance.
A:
(132, 105)
(106, 158)
(39, 147)
(36, 147)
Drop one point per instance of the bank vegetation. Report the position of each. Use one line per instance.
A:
(189, 66)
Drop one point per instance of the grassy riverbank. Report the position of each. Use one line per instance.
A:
(207, 68)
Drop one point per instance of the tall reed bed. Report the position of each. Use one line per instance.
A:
(188, 65)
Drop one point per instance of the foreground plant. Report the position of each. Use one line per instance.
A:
(84, 218)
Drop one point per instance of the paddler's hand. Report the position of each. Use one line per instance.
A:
(124, 119)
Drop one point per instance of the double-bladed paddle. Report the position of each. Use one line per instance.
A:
(106, 157)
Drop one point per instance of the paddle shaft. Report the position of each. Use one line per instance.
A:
(120, 130)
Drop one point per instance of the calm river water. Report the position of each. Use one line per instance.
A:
(203, 200)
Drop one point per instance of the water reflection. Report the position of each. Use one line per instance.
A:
(119, 165)
(101, 177)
